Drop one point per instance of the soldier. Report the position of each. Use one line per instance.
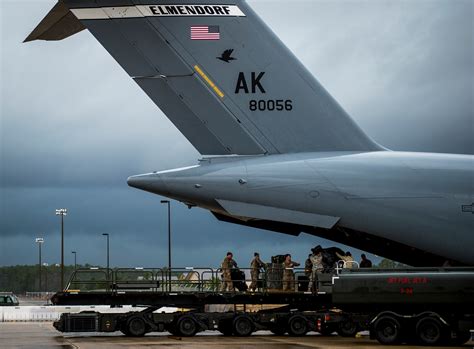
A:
(347, 258)
(288, 274)
(365, 262)
(255, 266)
(227, 265)
(308, 266)
(318, 267)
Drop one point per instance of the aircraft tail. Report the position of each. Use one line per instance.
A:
(217, 72)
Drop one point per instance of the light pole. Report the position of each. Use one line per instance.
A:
(46, 276)
(108, 256)
(169, 241)
(39, 241)
(75, 259)
(62, 212)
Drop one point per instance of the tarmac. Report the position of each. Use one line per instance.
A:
(28, 335)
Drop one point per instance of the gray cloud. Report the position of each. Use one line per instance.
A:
(74, 126)
(403, 70)
(137, 224)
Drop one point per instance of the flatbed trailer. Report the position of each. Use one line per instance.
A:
(425, 305)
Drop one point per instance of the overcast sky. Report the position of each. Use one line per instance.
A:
(74, 126)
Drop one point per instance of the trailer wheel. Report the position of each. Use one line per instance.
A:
(347, 328)
(429, 331)
(387, 330)
(243, 326)
(136, 327)
(186, 326)
(297, 326)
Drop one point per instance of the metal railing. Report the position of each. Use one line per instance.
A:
(274, 278)
(91, 279)
(210, 280)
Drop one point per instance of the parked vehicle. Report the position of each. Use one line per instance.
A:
(8, 300)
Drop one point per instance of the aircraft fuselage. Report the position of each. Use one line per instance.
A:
(422, 200)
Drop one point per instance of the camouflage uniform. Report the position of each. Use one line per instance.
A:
(289, 275)
(348, 261)
(308, 267)
(255, 266)
(317, 260)
(227, 266)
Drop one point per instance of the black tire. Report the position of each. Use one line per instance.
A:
(243, 326)
(186, 326)
(348, 328)
(136, 327)
(297, 326)
(387, 330)
(225, 327)
(429, 331)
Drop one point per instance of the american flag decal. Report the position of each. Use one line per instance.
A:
(205, 32)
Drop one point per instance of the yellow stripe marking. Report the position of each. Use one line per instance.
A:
(209, 81)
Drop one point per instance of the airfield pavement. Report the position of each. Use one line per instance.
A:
(39, 335)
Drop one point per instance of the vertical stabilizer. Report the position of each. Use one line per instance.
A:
(219, 74)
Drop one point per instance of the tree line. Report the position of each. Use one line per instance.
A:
(25, 278)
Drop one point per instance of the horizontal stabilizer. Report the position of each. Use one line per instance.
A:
(58, 24)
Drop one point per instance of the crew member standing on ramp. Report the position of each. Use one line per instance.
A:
(288, 274)
(255, 266)
(365, 262)
(227, 265)
(316, 269)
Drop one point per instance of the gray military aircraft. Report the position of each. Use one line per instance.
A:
(279, 153)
